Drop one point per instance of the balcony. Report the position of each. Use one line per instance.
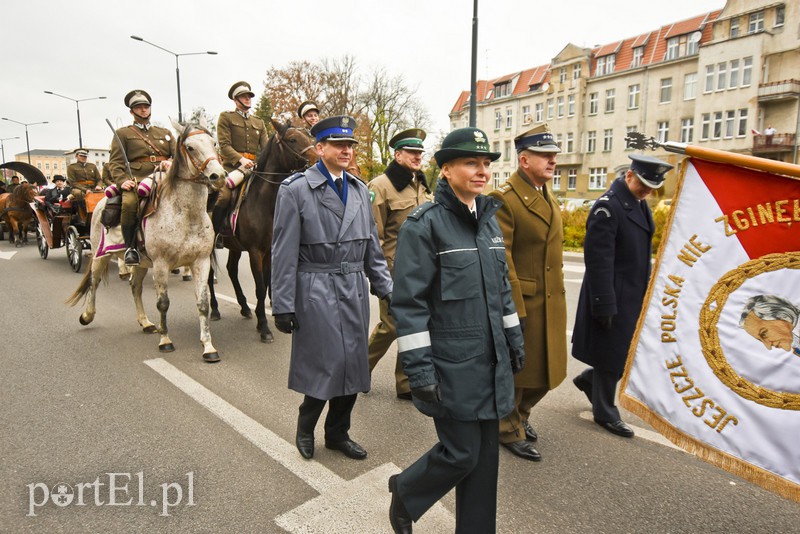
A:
(783, 90)
(780, 142)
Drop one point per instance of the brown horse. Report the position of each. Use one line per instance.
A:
(289, 150)
(16, 211)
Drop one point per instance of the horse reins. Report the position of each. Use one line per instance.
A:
(196, 163)
(300, 155)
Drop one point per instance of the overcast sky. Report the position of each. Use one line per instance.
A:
(83, 49)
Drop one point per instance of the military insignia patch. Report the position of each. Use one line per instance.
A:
(604, 211)
(371, 197)
(479, 138)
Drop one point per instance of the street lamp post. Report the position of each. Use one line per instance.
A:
(78, 109)
(2, 148)
(25, 124)
(177, 67)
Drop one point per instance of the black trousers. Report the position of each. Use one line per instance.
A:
(604, 385)
(466, 459)
(337, 422)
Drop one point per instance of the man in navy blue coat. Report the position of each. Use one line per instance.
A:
(617, 252)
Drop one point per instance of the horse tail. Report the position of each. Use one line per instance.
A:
(85, 284)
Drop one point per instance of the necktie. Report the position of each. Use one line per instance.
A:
(339, 185)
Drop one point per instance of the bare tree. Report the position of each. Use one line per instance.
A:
(200, 111)
(341, 86)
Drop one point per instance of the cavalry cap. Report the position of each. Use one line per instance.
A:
(410, 139)
(82, 152)
(463, 143)
(649, 170)
(240, 88)
(540, 139)
(137, 96)
(339, 128)
(305, 107)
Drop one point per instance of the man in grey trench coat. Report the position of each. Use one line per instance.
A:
(324, 242)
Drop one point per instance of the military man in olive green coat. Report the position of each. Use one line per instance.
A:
(241, 136)
(532, 230)
(148, 148)
(83, 176)
(393, 195)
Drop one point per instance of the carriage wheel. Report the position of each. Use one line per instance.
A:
(41, 242)
(74, 249)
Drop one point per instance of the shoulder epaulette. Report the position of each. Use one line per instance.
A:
(420, 210)
(504, 188)
(292, 178)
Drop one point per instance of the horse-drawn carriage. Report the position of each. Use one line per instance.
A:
(66, 224)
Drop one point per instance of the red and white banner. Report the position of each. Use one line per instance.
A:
(715, 361)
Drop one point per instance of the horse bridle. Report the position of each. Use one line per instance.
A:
(199, 166)
(299, 154)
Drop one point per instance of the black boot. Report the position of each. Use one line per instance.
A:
(129, 235)
(218, 221)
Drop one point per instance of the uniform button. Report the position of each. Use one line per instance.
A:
(548, 295)
(548, 267)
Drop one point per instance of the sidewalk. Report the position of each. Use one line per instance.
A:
(573, 257)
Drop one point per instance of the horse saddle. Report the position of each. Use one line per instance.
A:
(110, 216)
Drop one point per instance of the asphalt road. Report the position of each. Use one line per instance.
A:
(102, 433)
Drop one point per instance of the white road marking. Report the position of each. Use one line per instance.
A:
(574, 268)
(642, 433)
(346, 506)
(7, 255)
(233, 300)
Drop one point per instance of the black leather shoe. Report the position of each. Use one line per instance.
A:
(617, 427)
(348, 447)
(404, 396)
(584, 386)
(131, 257)
(398, 515)
(305, 444)
(523, 449)
(530, 433)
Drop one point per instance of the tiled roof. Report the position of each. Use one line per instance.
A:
(641, 40)
(605, 50)
(504, 79)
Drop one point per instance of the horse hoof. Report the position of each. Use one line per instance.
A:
(187, 278)
(150, 329)
(247, 314)
(267, 338)
(83, 321)
(18, 244)
(211, 357)
(175, 271)
(124, 277)
(169, 347)
(214, 315)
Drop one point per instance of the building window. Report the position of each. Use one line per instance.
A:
(576, 71)
(747, 71)
(526, 114)
(509, 118)
(560, 106)
(628, 130)
(605, 65)
(663, 131)
(734, 27)
(502, 90)
(549, 109)
(571, 143)
(47, 166)
(498, 119)
(638, 56)
(570, 105)
(496, 147)
(742, 130)
(556, 181)
(717, 132)
(610, 97)
(705, 127)
(687, 130)
(496, 180)
(709, 86)
(538, 112)
(559, 139)
(591, 141)
(597, 178)
(780, 15)
(733, 79)
(672, 48)
(507, 151)
(666, 91)
(608, 136)
(562, 75)
(506, 176)
(722, 72)
(633, 96)
(756, 22)
(730, 117)
(690, 86)
(593, 99)
(572, 179)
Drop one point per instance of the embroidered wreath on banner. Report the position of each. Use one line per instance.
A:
(709, 336)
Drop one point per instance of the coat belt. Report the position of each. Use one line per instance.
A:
(248, 155)
(150, 159)
(345, 267)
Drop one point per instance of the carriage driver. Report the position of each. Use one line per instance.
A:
(241, 137)
(148, 148)
(83, 176)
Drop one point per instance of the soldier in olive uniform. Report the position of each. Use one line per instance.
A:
(309, 112)
(531, 222)
(394, 194)
(241, 137)
(148, 148)
(82, 176)
(106, 175)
